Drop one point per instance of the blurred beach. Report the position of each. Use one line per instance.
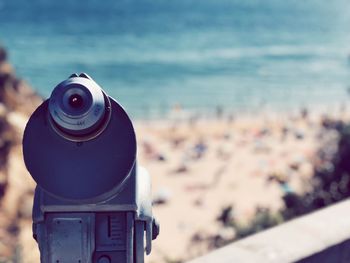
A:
(205, 172)
(202, 168)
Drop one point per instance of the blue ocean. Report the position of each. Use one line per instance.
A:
(200, 54)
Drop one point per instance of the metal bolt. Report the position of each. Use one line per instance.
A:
(104, 259)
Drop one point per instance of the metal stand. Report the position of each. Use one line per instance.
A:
(110, 232)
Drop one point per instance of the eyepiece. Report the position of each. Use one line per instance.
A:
(77, 108)
(80, 144)
(76, 101)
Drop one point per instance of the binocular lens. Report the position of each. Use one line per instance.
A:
(77, 107)
(76, 101)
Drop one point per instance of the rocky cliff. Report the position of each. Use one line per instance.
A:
(17, 101)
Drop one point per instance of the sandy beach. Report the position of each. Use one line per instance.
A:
(198, 167)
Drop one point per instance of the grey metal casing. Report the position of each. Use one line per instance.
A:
(92, 202)
(47, 210)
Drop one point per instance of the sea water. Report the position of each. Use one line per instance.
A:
(200, 54)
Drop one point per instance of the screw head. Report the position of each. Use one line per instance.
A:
(104, 259)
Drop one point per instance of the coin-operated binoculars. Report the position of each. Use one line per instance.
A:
(92, 202)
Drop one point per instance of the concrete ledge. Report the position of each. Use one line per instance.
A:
(322, 236)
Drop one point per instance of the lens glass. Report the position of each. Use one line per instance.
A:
(76, 101)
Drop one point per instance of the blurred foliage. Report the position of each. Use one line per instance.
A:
(263, 219)
(331, 180)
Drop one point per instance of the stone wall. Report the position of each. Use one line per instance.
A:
(322, 236)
